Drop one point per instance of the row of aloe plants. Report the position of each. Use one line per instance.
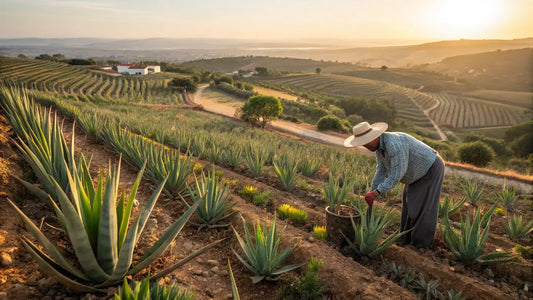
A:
(97, 226)
(98, 219)
(222, 142)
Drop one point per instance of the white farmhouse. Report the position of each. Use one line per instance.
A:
(133, 69)
(154, 69)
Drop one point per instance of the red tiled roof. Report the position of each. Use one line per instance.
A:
(125, 65)
(137, 67)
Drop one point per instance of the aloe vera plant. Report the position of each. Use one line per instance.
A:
(255, 160)
(517, 228)
(163, 162)
(369, 231)
(41, 140)
(468, 243)
(309, 166)
(334, 194)
(449, 206)
(144, 290)
(473, 192)
(285, 168)
(262, 257)
(213, 198)
(508, 198)
(99, 231)
(232, 157)
(171, 165)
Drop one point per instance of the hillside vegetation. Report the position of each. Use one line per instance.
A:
(230, 64)
(509, 70)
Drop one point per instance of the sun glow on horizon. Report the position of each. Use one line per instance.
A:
(466, 18)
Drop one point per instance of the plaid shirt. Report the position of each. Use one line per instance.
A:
(400, 158)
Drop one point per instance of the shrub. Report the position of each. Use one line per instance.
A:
(522, 146)
(498, 146)
(230, 89)
(476, 153)
(331, 122)
(354, 119)
(262, 199)
(183, 84)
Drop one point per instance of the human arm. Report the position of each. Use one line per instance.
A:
(399, 159)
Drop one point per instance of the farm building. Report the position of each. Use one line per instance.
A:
(133, 69)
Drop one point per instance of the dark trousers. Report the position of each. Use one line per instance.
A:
(420, 208)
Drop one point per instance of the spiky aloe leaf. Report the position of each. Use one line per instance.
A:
(54, 272)
(234, 288)
(214, 198)
(369, 231)
(468, 243)
(262, 257)
(47, 245)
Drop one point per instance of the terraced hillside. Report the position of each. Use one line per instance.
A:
(419, 108)
(458, 111)
(409, 103)
(82, 82)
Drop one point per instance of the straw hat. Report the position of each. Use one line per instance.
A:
(364, 133)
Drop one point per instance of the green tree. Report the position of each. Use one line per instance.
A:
(318, 70)
(44, 57)
(261, 71)
(183, 84)
(58, 57)
(384, 68)
(22, 56)
(332, 122)
(259, 110)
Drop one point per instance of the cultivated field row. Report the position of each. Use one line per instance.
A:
(70, 80)
(460, 112)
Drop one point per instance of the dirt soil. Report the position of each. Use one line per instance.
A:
(345, 275)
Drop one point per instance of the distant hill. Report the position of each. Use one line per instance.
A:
(229, 64)
(510, 70)
(402, 56)
(180, 50)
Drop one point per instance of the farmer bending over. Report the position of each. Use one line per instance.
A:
(402, 158)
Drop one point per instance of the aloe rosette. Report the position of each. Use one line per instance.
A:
(467, 244)
(262, 257)
(98, 230)
(368, 233)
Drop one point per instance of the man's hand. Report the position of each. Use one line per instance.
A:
(370, 196)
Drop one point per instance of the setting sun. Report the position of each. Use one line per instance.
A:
(465, 18)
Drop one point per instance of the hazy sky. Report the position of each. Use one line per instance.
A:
(274, 19)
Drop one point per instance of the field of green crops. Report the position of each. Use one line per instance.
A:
(81, 82)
